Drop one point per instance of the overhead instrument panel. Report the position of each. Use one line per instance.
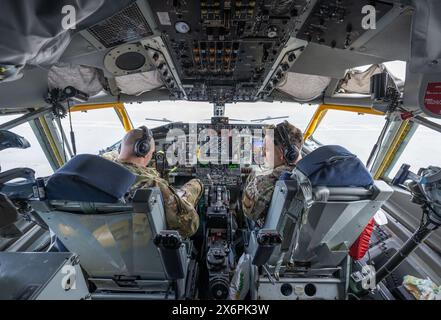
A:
(338, 23)
(224, 50)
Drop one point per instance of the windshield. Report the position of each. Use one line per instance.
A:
(95, 130)
(154, 114)
(357, 133)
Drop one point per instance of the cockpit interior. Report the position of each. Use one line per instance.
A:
(357, 218)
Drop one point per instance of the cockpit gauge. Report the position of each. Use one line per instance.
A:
(182, 27)
(272, 32)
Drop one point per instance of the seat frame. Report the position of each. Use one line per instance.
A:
(316, 238)
(143, 274)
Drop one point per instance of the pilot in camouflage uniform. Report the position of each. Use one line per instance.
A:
(259, 186)
(258, 192)
(111, 155)
(179, 210)
(179, 205)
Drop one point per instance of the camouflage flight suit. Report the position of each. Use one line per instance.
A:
(111, 155)
(258, 192)
(180, 210)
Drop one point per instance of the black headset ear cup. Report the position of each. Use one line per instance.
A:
(142, 148)
(142, 145)
(291, 154)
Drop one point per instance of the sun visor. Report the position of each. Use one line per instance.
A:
(83, 78)
(359, 82)
(304, 87)
(356, 81)
(138, 83)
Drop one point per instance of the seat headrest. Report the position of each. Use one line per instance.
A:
(335, 166)
(89, 178)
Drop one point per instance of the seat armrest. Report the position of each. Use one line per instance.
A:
(173, 253)
(381, 191)
(24, 173)
(267, 241)
(22, 189)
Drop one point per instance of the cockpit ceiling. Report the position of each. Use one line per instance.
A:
(208, 50)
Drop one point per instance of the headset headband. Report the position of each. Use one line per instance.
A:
(147, 133)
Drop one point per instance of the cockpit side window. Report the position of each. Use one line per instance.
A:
(94, 129)
(356, 132)
(422, 150)
(32, 157)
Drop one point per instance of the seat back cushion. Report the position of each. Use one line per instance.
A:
(89, 178)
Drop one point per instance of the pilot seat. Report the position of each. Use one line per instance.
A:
(317, 212)
(124, 247)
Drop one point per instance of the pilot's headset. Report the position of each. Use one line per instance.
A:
(142, 146)
(290, 151)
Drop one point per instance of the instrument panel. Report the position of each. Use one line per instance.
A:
(218, 153)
